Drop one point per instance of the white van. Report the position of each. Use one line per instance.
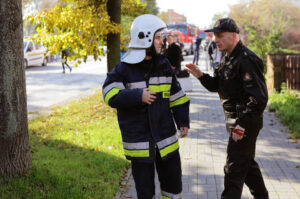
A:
(34, 54)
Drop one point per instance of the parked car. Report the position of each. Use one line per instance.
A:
(34, 54)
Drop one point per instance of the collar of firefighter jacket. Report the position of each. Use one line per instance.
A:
(236, 50)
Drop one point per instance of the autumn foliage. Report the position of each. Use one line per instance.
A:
(80, 26)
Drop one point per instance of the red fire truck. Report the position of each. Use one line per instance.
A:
(202, 34)
(189, 32)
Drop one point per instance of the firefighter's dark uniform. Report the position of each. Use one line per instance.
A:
(241, 86)
(148, 131)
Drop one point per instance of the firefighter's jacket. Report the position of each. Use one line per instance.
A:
(240, 82)
(146, 126)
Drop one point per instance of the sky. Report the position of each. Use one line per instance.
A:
(198, 12)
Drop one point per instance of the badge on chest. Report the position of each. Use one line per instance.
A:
(247, 77)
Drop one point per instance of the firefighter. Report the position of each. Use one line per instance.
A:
(148, 98)
(240, 83)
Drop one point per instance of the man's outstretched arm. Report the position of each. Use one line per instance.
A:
(209, 82)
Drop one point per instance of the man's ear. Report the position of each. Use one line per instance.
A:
(236, 36)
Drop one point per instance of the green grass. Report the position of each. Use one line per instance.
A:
(76, 153)
(286, 104)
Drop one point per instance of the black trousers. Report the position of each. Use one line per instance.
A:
(169, 175)
(196, 56)
(241, 168)
(63, 66)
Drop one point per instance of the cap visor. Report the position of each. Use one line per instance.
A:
(133, 56)
(214, 30)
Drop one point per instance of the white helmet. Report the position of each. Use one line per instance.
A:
(143, 29)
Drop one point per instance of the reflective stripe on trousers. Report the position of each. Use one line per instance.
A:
(166, 195)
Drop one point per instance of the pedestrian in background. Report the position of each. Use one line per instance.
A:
(196, 48)
(240, 82)
(148, 98)
(219, 55)
(212, 52)
(174, 53)
(64, 58)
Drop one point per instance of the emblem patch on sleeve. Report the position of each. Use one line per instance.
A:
(247, 77)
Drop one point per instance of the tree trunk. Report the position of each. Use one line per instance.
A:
(113, 40)
(15, 155)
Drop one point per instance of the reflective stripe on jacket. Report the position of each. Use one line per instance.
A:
(143, 124)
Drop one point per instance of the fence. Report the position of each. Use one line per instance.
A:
(283, 68)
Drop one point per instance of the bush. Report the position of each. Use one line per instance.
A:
(286, 104)
(288, 51)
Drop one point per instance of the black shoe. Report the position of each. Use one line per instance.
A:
(70, 69)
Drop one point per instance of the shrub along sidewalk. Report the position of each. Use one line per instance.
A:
(76, 153)
(286, 104)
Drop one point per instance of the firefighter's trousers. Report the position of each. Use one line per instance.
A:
(169, 175)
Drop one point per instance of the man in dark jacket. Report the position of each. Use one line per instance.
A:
(174, 53)
(240, 82)
(148, 98)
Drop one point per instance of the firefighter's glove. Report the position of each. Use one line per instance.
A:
(184, 131)
(238, 133)
(148, 96)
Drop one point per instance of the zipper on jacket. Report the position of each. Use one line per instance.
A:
(152, 143)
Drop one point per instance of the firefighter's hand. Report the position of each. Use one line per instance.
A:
(184, 131)
(148, 96)
(194, 70)
(238, 133)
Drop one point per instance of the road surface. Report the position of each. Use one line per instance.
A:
(48, 86)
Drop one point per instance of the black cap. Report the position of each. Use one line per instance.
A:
(224, 25)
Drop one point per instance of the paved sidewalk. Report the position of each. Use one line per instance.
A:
(203, 153)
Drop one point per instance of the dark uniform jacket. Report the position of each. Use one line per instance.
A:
(174, 55)
(65, 54)
(240, 82)
(198, 42)
(144, 126)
